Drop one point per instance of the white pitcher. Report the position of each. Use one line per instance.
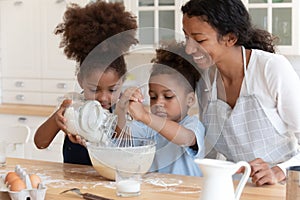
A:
(218, 183)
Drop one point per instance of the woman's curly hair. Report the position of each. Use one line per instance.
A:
(171, 58)
(231, 16)
(86, 27)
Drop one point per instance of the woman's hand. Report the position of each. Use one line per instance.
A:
(262, 174)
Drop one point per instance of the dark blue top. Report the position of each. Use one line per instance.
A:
(75, 153)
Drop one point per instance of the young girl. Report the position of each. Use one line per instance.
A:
(85, 38)
(179, 137)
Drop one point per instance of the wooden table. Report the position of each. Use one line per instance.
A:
(59, 177)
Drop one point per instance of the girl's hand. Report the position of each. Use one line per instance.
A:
(262, 174)
(59, 115)
(61, 120)
(77, 139)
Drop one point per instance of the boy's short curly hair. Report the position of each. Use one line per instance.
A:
(171, 58)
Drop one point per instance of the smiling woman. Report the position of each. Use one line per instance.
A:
(248, 112)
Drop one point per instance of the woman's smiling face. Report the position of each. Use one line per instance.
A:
(201, 41)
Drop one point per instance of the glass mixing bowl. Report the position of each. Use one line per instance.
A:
(135, 156)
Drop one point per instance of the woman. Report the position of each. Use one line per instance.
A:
(249, 103)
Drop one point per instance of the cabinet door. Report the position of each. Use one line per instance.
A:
(52, 153)
(55, 63)
(20, 57)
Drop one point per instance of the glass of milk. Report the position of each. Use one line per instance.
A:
(2, 153)
(128, 183)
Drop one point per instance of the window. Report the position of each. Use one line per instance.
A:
(279, 17)
(157, 19)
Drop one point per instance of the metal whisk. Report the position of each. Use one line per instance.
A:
(124, 138)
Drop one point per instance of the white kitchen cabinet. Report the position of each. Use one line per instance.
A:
(54, 62)
(52, 153)
(35, 70)
(21, 97)
(281, 18)
(19, 38)
(35, 91)
(21, 90)
(33, 67)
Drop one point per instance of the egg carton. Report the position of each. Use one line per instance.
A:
(29, 192)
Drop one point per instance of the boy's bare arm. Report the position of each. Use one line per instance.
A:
(171, 130)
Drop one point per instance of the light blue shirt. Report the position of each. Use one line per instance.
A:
(172, 158)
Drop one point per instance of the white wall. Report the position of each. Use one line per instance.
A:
(295, 61)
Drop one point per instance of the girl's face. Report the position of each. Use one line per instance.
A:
(168, 98)
(202, 42)
(104, 87)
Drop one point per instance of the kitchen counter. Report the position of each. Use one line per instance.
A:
(59, 177)
(20, 109)
(45, 111)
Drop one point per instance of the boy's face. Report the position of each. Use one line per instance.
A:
(104, 87)
(168, 98)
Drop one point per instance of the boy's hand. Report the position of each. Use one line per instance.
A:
(138, 112)
(130, 94)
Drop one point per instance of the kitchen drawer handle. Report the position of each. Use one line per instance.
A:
(19, 84)
(59, 1)
(20, 97)
(22, 119)
(61, 85)
(16, 3)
